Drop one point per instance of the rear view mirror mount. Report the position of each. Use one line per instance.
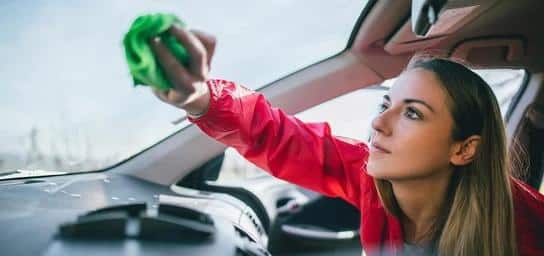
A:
(425, 14)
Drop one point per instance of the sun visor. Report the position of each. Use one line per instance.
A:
(453, 15)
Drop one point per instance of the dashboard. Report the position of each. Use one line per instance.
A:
(108, 214)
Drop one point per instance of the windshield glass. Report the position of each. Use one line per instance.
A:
(67, 101)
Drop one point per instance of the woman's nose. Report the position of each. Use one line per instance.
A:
(380, 124)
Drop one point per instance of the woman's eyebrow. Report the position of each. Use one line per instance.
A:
(407, 101)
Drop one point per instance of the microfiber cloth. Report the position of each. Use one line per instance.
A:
(143, 66)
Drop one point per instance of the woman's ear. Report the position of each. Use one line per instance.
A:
(463, 152)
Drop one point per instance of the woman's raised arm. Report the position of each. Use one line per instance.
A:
(306, 154)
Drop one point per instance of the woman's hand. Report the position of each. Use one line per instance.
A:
(189, 91)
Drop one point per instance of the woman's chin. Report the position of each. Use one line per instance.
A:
(375, 171)
(381, 170)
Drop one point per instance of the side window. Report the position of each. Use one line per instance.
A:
(505, 83)
(350, 115)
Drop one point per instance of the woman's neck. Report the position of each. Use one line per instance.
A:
(421, 201)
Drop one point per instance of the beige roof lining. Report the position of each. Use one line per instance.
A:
(503, 20)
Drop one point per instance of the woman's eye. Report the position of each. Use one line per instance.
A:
(382, 108)
(412, 114)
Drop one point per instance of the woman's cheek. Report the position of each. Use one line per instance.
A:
(412, 156)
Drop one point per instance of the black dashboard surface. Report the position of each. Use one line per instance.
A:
(32, 210)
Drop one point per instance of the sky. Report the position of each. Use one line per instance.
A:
(64, 79)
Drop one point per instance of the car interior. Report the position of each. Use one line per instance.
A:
(190, 195)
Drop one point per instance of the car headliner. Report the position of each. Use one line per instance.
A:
(385, 35)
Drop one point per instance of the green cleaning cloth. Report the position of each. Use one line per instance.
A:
(143, 66)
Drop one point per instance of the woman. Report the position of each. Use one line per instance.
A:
(434, 179)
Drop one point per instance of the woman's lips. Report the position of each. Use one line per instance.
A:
(375, 147)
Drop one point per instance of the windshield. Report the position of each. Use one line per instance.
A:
(67, 101)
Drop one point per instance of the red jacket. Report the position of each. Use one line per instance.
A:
(308, 155)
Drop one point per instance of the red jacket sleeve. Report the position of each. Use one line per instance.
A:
(529, 218)
(306, 154)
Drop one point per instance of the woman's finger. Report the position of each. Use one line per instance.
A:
(173, 97)
(195, 48)
(179, 77)
(209, 43)
(162, 95)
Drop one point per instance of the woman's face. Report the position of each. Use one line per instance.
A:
(412, 135)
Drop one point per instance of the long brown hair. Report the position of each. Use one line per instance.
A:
(477, 217)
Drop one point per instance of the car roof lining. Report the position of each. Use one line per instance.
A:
(501, 19)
